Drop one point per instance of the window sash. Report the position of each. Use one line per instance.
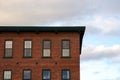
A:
(65, 75)
(27, 75)
(28, 44)
(7, 75)
(66, 52)
(46, 48)
(65, 48)
(8, 48)
(46, 75)
(46, 44)
(27, 52)
(8, 52)
(65, 44)
(27, 48)
(8, 44)
(46, 52)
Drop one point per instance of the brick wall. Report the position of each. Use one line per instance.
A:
(55, 64)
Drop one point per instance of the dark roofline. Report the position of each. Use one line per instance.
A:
(42, 29)
(79, 29)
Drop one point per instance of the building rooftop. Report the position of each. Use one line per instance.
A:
(42, 29)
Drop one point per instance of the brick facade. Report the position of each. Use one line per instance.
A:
(55, 64)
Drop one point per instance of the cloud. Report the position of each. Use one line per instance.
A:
(103, 25)
(106, 25)
(39, 12)
(98, 52)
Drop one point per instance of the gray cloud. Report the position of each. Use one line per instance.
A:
(39, 12)
(105, 25)
(36, 12)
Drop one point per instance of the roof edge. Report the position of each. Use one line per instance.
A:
(42, 28)
(81, 39)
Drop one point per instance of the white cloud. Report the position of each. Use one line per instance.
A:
(98, 52)
(107, 25)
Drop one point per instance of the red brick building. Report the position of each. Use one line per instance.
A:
(40, 53)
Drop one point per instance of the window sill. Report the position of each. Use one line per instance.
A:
(66, 57)
(65, 79)
(46, 57)
(8, 57)
(27, 57)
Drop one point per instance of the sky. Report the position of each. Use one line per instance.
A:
(100, 58)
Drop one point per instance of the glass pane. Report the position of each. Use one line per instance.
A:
(28, 44)
(65, 52)
(8, 52)
(46, 45)
(8, 44)
(27, 52)
(7, 74)
(46, 52)
(66, 44)
(27, 74)
(46, 74)
(65, 75)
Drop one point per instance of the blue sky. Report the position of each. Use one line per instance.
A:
(100, 58)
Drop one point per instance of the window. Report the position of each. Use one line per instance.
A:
(8, 48)
(46, 48)
(65, 48)
(65, 75)
(7, 75)
(27, 48)
(46, 75)
(27, 75)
